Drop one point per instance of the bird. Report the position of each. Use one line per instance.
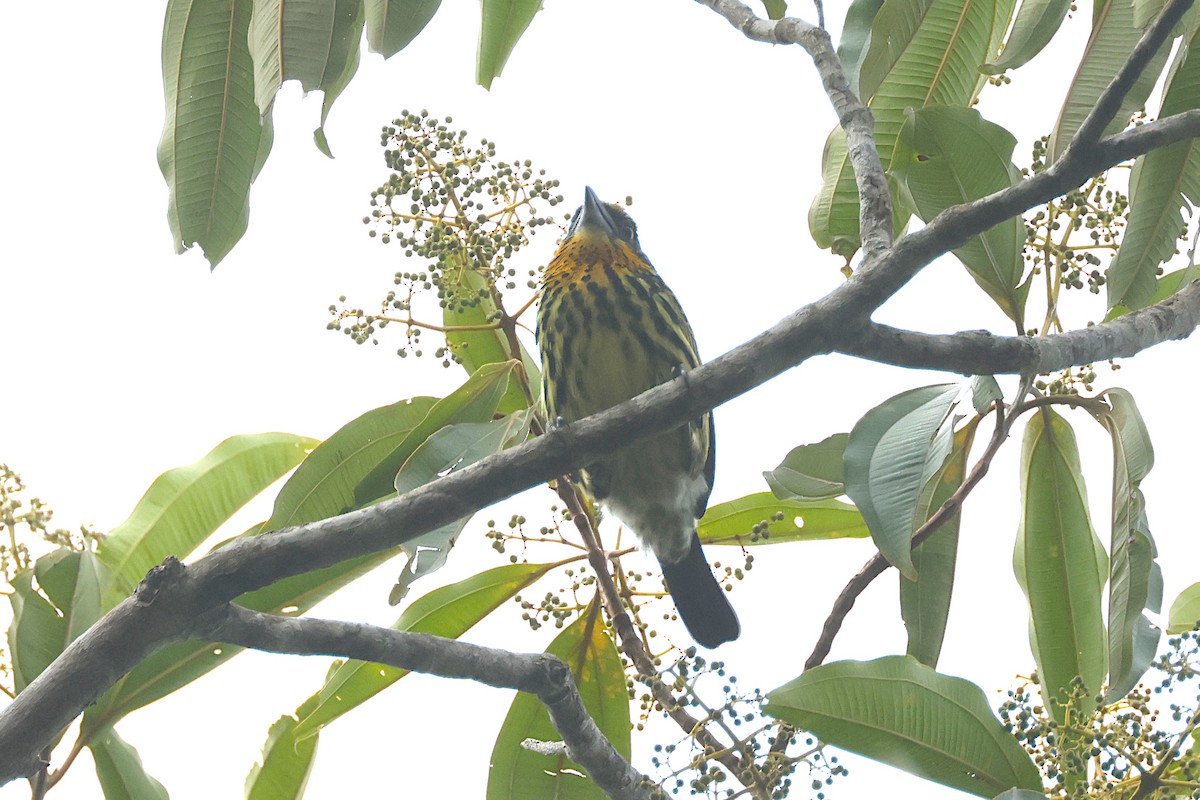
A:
(608, 329)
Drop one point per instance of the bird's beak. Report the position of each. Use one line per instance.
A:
(595, 215)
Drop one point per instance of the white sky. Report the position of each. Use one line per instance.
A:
(125, 360)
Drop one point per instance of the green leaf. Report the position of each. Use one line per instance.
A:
(1185, 611)
(452, 448)
(304, 40)
(1167, 285)
(1135, 581)
(887, 459)
(1036, 23)
(856, 36)
(215, 140)
(1164, 184)
(752, 520)
(925, 603)
(183, 506)
(810, 471)
(287, 761)
(37, 634)
(74, 581)
(1020, 794)
(922, 52)
(1129, 432)
(392, 24)
(474, 401)
(475, 348)
(324, 483)
(776, 9)
(833, 216)
(1114, 35)
(342, 64)
(503, 23)
(517, 773)
(947, 156)
(1060, 562)
(449, 611)
(985, 391)
(120, 770)
(899, 711)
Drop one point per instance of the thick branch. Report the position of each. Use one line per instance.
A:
(983, 353)
(539, 674)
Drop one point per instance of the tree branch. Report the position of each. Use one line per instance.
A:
(984, 353)
(540, 674)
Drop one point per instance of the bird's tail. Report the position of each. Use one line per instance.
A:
(701, 601)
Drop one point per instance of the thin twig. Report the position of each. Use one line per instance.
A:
(633, 647)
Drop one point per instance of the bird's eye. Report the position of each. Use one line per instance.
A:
(630, 231)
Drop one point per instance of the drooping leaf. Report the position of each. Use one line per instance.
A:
(120, 770)
(1135, 580)
(1162, 185)
(449, 611)
(887, 458)
(474, 401)
(517, 773)
(947, 156)
(392, 24)
(925, 602)
(503, 24)
(215, 140)
(185, 505)
(1059, 562)
(287, 761)
(1114, 35)
(832, 218)
(1036, 23)
(1134, 586)
(452, 448)
(762, 518)
(899, 711)
(810, 471)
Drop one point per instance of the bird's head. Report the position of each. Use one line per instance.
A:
(597, 218)
(600, 233)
